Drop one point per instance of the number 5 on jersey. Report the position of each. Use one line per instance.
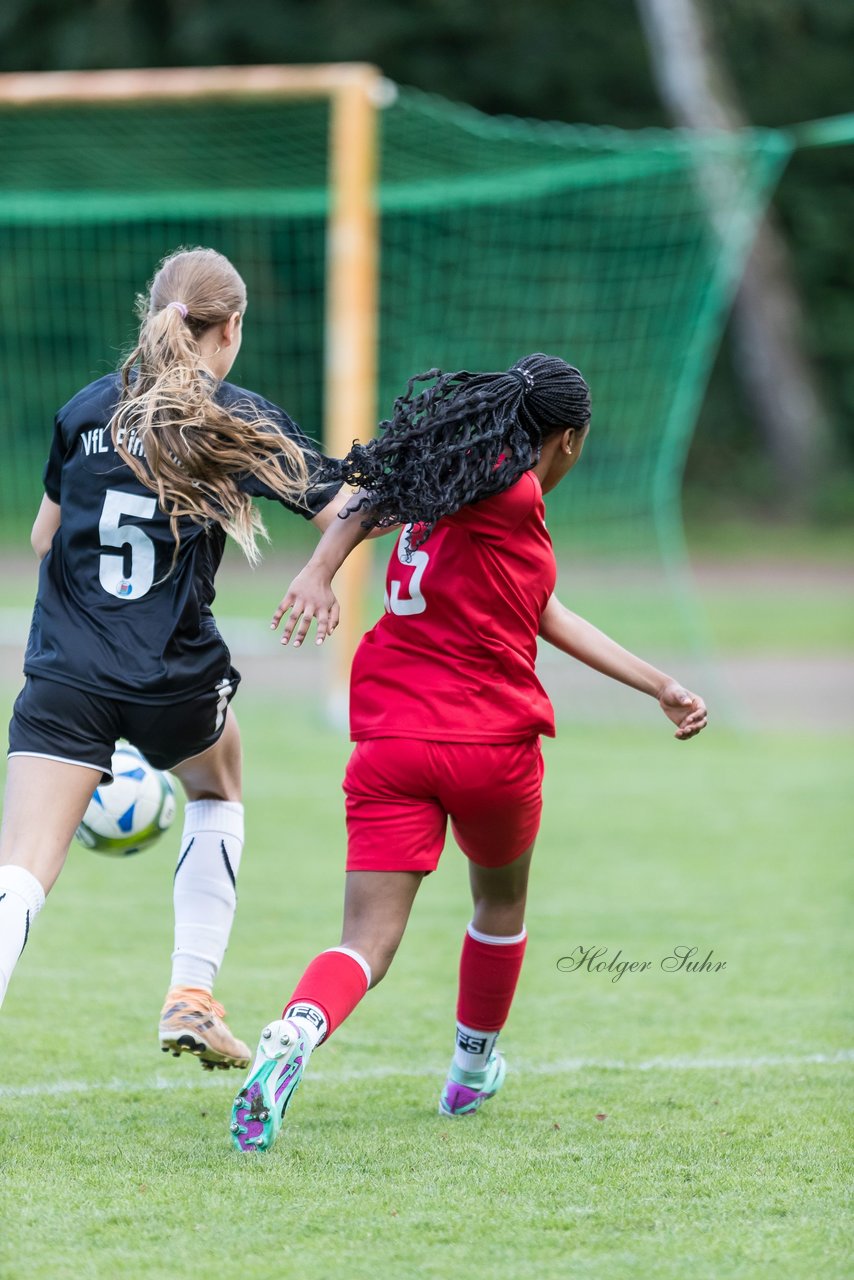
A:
(417, 561)
(118, 536)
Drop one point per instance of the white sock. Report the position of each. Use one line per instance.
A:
(472, 1048)
(204, 894)
(310, 1019)
(21, 899)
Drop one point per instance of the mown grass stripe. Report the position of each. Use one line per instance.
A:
(57, 1088)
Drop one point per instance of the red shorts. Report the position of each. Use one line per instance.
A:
(402, 791)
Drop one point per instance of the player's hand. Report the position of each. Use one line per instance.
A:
(686, 710)
(310, 596)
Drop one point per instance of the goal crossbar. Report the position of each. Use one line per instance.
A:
(28, 88)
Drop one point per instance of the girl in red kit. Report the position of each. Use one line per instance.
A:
(445, 708)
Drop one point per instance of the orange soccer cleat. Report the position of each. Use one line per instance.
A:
(193, 1022)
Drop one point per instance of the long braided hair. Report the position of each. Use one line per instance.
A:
(195, 450)
(462, 438)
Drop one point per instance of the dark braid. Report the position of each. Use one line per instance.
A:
(465, 437)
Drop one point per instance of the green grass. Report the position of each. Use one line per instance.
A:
(738, 617)
(721, 536)
(731, 1169)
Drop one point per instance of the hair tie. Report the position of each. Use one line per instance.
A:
(523, 377)
(179, 307)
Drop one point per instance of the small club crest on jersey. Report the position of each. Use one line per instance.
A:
(124, 589)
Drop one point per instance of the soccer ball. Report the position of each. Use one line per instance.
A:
(130, 812)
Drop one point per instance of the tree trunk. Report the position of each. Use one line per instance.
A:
(767, 324)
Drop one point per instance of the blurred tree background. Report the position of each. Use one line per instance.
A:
(573, 60)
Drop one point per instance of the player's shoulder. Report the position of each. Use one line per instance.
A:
(243, 401)
(523, 494)
(249, 404)
(93, 404)
(497, 515)
(512, 505)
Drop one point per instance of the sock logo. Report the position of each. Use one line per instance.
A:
(470, 1044)
(307, 1011)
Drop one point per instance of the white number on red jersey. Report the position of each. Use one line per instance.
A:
(417, 561)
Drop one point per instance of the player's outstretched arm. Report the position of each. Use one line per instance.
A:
(310, 595)
(580, 639)
(327, 514)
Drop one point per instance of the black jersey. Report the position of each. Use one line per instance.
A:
(112, 615)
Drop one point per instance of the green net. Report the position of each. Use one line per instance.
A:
(499, 237)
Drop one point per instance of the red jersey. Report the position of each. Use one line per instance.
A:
(453, 657)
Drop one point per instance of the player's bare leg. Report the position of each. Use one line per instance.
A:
(493, 950)
(376, 911)
(205, 898)
(215, 774)
(499, 895)
(34, 841)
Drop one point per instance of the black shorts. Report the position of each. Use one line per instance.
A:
(60, 722)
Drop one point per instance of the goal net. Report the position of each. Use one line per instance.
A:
(496, 237)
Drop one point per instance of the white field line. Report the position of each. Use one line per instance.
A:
(56, 1088)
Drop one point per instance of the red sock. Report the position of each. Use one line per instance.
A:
(489, 971)
(335, 982)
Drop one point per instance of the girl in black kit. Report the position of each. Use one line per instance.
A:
(148, 471)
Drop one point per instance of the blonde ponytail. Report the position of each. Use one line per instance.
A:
(194, 450)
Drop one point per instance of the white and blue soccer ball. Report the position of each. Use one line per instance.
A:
(130, 812)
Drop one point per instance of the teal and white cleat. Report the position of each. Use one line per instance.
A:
(466, 1091)
(261, 1103)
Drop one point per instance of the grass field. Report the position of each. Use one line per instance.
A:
(666, 1125)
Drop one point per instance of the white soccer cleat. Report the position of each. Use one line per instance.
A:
(260, 1106)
